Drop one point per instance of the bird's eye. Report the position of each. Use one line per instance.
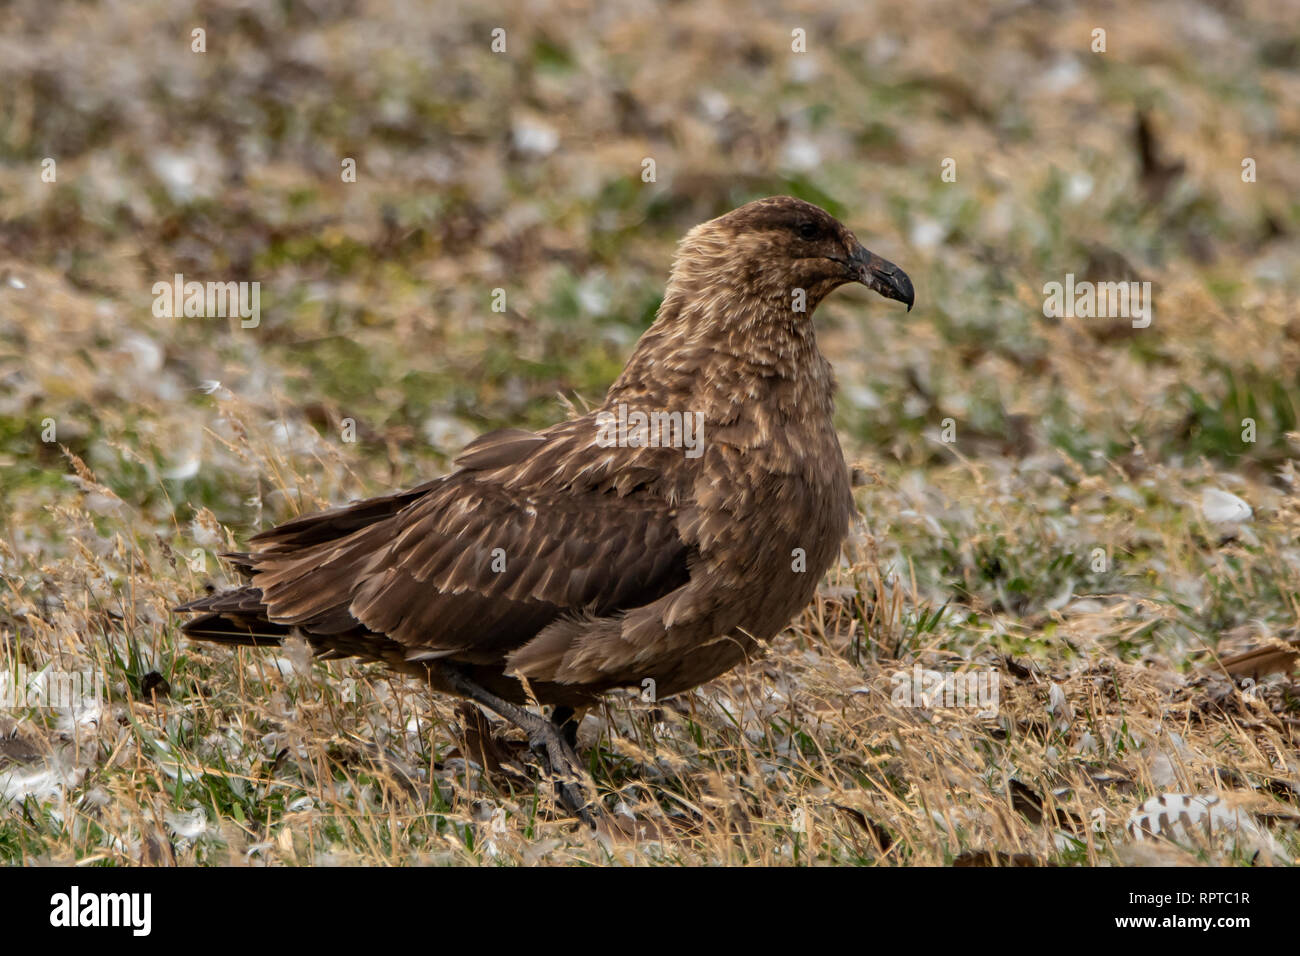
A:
(808, 230)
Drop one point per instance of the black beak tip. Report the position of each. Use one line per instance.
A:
(884, 277)
(900, 288)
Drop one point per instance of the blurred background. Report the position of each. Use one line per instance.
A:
(522, 170)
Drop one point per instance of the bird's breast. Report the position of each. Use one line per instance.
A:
(772, 511)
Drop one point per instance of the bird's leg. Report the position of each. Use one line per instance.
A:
(545, 737)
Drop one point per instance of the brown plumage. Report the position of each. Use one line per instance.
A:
(583, 566)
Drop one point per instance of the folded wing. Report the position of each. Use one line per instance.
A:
(473, 565)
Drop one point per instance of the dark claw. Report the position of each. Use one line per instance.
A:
(567, 773)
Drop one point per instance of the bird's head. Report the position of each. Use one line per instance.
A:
(779, 245)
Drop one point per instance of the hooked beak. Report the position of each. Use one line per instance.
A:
(881, 275)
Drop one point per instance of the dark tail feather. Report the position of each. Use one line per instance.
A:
(238, 618)
(232, 617)
(241, 561)
(220, 629)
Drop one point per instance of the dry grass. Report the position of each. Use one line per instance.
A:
(1061, 542)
